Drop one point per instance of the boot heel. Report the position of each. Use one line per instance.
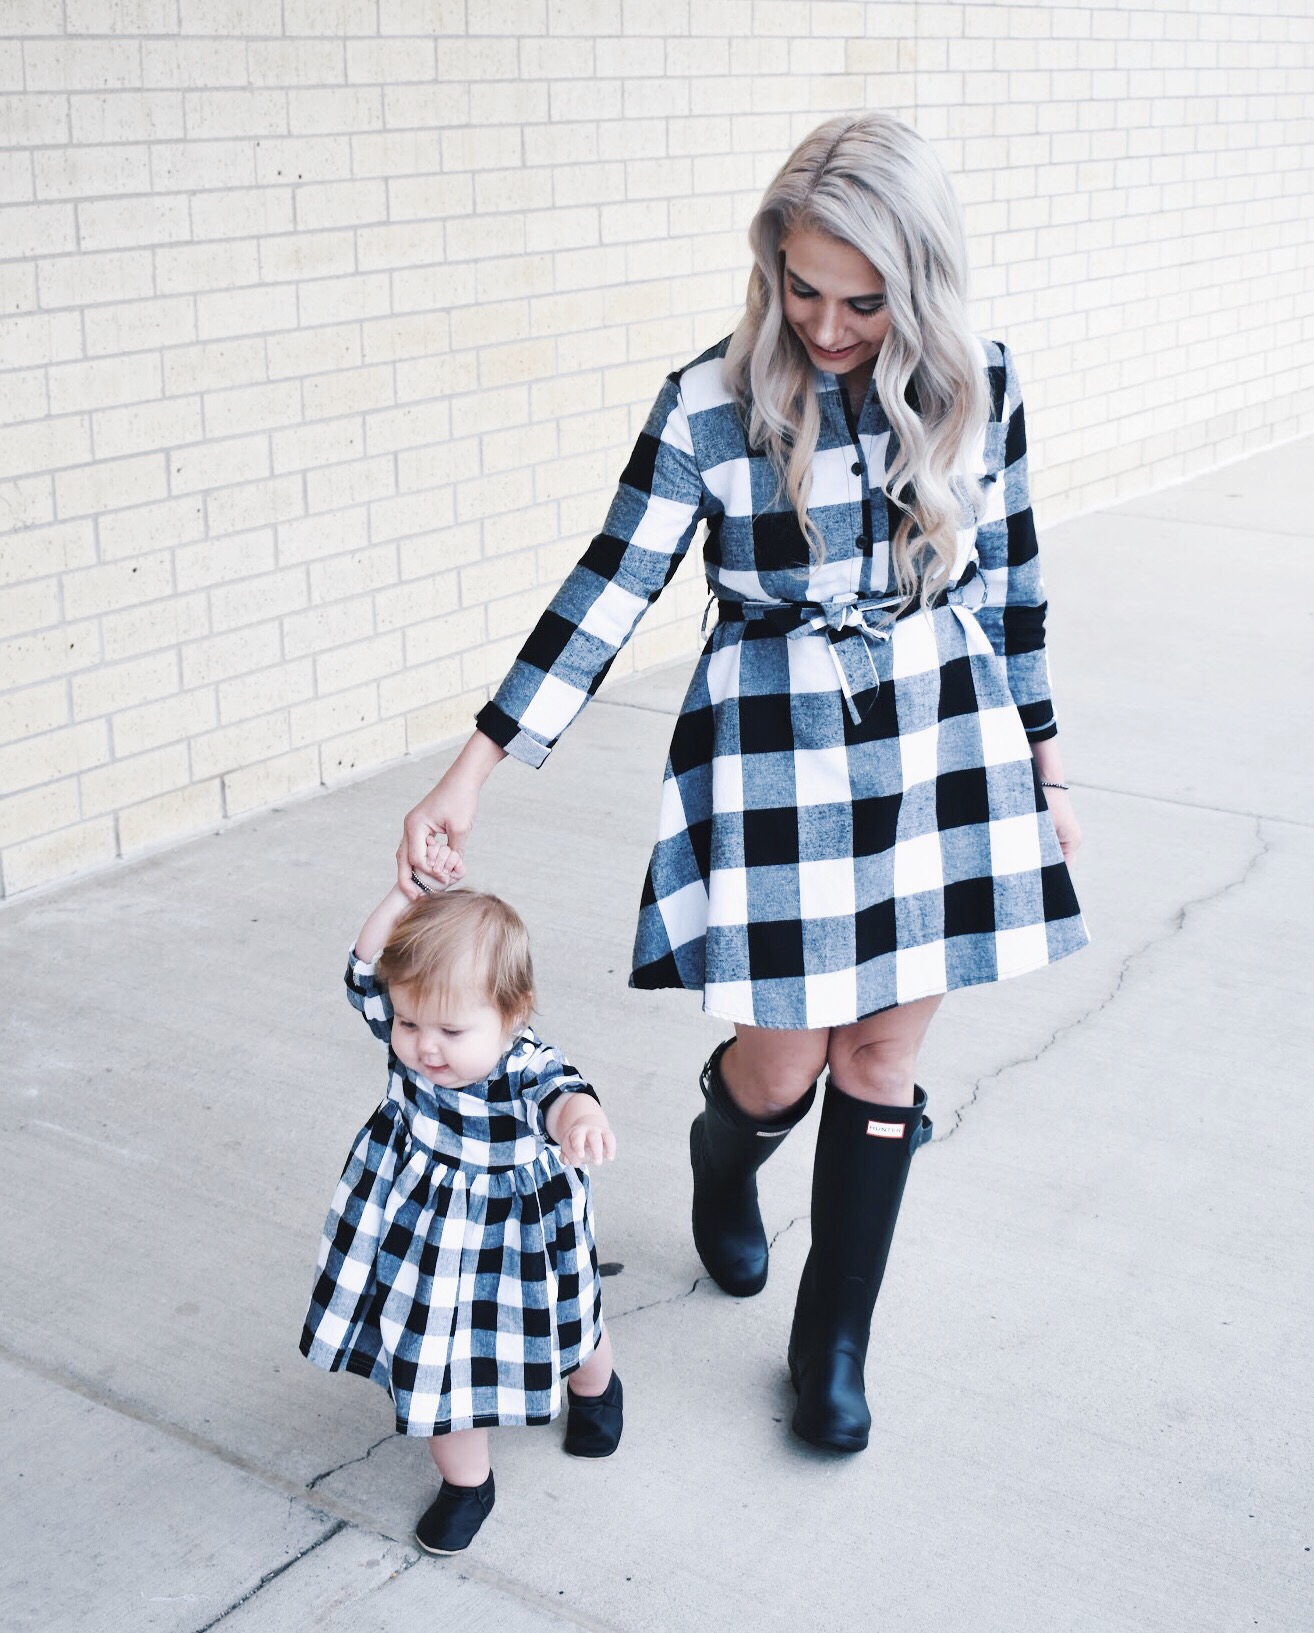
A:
(832, 1409)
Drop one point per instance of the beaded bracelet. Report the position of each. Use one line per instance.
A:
(1043, 784)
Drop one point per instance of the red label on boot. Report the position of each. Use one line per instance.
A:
(886, 1131)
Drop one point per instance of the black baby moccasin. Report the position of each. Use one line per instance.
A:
(450, 1522)
(594, 1422)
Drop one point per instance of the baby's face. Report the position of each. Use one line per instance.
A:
(453, 1040)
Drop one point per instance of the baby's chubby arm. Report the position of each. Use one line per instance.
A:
(579, 1126)
(378, 927)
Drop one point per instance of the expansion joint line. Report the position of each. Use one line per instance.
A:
(273, 1576)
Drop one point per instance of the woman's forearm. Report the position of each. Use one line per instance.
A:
(1049, 760)
(477, 759)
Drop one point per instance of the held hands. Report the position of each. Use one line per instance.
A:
(582, 1131)
(435, 832)
(442, 865)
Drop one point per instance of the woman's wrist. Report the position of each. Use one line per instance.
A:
(1048, 761)
(477, 758)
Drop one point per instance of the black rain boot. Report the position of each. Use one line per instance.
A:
(862, 1160)
(726, 1148)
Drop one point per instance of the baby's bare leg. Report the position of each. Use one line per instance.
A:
(595, 1374)
(462, 1457)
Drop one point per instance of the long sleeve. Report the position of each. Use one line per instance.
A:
(1013, 616)
(368, 996)
(657, 508)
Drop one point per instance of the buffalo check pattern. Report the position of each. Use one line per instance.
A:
(850, 817)
(457, 1266)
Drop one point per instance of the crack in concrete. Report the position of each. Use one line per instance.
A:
(657, 1303)
(788, 1226)
(1175, 928)
(678, 1298)
(348, 1462)
(273, 1576)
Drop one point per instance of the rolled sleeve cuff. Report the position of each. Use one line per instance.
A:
(511, 737)
(1047, 727)
(1028, 681)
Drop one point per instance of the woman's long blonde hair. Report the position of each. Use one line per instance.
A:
(875, 184)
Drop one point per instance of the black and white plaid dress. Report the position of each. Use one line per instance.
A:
(850, 816)
(457, 1266)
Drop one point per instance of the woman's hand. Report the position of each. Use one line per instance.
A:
(1065, 821)
(435, 832)
(1049, 768)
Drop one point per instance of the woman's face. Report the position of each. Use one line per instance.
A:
(835, 303)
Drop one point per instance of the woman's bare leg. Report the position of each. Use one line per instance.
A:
(875, 1058)
(768, 1070)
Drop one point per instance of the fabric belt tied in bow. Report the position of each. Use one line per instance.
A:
(854, 625)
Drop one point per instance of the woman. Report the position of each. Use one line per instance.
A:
(864, 805)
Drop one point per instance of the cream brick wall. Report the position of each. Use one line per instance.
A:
(325, 326)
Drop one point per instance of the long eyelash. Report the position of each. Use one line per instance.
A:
(862, 311)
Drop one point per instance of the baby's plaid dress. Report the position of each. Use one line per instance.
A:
(850, 816)
(457, 1266)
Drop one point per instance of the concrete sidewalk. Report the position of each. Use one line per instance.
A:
(1090, 1363)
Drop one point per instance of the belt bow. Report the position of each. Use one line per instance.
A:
(853, 626)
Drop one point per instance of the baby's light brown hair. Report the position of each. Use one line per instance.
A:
(464, 943)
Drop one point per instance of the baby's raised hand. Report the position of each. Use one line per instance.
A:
(587, 1138)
